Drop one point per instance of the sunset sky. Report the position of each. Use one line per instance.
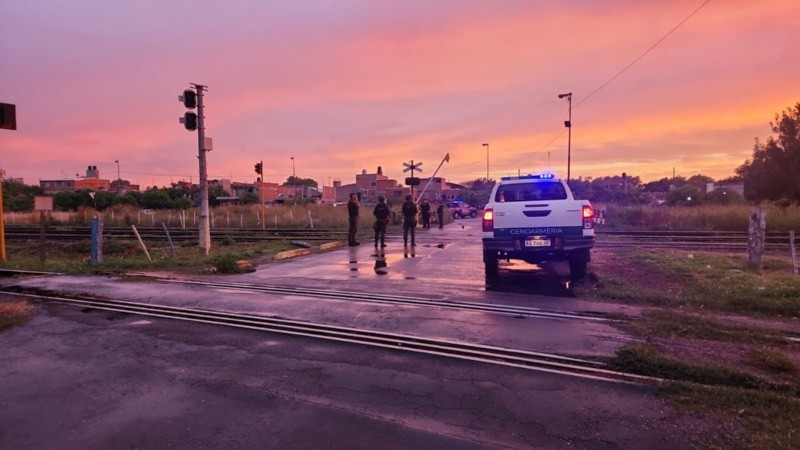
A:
(347, 85)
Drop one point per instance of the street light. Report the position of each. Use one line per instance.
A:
(568, 124)
(294, 180)
(486, 144)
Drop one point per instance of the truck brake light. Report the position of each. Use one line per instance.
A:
(588, 217)
(488, 220)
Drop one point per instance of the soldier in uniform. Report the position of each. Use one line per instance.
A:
(381, 213)
(425, 212)
(352, 212)
(409, 220)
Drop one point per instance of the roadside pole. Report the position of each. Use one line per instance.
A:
(44, 205)
(2, 225)
(205, 229)
(445, 159)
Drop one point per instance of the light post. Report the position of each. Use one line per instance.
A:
(486, 144)
(294, 180)
(568, 124)
(118, 178)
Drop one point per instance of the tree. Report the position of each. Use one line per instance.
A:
(18, 197)
(249, 198)
(215, 191)
(296, 181)
(723, 197)
(477, 191)
(687, 195)
(774, 170)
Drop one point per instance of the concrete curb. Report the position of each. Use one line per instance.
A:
(330, 245)
(292, 254)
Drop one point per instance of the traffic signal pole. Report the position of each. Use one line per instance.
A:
(205, 226)
(2, 225)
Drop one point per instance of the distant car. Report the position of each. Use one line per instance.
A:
(460, 210)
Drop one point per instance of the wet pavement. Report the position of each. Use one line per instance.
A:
(96, 379)
(445, 265)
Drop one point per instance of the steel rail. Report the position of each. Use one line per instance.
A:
(394, 299)
(536, 361)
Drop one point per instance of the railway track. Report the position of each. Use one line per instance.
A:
(536, 361)
(150, 234)
(397, 300)
(690, 240)
(700, 240)
(516, 311)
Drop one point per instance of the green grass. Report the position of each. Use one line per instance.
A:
(672, 324)
(702, 281)
(772, 360)
(127, 255)
(753, 419)
(644, 359)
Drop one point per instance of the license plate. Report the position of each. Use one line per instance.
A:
(537, 242)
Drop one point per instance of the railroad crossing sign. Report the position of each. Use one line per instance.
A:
(412, 167)
(412, 181)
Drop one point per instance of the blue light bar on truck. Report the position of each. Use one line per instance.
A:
(541, 176)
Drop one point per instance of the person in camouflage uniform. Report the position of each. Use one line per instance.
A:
(381, 213)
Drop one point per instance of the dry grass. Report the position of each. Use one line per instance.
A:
(772, 360)
(707, 217)
(14, 312)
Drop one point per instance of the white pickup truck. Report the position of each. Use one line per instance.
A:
(535, 218)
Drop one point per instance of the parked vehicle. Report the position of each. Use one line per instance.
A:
(460, 210)
(535, 218)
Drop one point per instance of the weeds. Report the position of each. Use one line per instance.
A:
(670, 324)
(699, 280)
(644, 359)
(769, 419)
(125, 255)
(772, 360)
(707, 217)
(14, 312)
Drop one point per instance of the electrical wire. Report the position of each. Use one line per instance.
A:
(610, 80)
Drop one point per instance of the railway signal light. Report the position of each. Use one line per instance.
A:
(8, 116)
(189, 99)
(189, 121)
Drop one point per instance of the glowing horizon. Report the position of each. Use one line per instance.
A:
(353, 85)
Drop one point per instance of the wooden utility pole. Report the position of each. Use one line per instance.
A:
(755, 238)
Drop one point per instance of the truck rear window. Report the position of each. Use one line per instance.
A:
(525, 192)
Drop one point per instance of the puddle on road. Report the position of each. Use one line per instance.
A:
(549, 279)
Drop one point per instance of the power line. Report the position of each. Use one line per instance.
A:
(617, 75)
(649, 49)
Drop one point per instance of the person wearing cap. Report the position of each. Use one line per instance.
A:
(381, 213)
(409, 220)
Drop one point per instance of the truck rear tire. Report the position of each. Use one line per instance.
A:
(577, 269)
(491, 263)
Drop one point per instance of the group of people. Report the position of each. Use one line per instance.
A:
(382, 214)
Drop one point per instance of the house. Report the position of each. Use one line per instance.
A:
(91, 181)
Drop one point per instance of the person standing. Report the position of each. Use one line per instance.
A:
(425, 212)
(381, 213)
(409, 220)
(440, 214)
(352, 212)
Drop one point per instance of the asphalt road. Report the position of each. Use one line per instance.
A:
(90, 379)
